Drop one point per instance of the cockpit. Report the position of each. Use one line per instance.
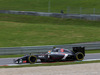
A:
(60, 50)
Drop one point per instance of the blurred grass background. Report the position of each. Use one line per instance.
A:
(87, 6)
(24, 30)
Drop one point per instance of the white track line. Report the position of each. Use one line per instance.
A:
(91, 59)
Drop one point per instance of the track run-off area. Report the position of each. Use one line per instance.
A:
(9, 61)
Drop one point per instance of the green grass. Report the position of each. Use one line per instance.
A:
(92, 51)
(23, 30)
(52, 64)
(10, 56)
(55, 6)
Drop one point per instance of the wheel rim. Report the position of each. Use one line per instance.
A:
(79, 56)
(32, 59)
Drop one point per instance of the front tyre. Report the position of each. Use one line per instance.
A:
(32, 59)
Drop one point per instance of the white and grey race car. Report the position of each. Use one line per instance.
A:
(56, 54)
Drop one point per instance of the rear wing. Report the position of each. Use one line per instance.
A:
(79, 49)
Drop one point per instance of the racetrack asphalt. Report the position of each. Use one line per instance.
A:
(7, 61)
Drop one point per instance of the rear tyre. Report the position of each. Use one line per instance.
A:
(79, 56)
(32, 59)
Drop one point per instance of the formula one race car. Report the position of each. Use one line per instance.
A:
(57, 54)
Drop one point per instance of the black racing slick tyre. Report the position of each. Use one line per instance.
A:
(32, 59)
(79, 56)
